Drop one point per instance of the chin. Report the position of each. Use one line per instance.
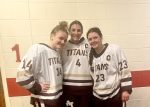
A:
(94, 47)
(76, 39)
(60, 47)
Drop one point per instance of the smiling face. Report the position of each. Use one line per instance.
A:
(94, 40)
(75, 32)
(59, 39)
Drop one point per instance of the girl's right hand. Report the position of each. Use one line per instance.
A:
(45, 87)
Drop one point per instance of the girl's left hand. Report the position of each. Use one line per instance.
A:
(125, 96)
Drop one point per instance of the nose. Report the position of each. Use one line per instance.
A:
(63, 41)
(75, 32)
(92, 40)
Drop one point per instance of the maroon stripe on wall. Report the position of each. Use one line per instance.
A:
(14, 89)
(139, 79)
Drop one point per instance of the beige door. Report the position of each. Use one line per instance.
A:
(2, 100)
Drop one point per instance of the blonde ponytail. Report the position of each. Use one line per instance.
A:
(63, 26)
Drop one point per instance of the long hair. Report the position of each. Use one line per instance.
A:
(98, 31)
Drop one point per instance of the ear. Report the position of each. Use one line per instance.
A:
(52, 37)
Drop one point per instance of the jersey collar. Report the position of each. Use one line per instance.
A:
(98, 55)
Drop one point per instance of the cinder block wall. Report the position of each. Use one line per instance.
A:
(123, 22)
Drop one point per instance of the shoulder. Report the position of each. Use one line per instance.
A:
(40, 47)
(116, 49)
(37, 46)
(34, 47)
(114, 46)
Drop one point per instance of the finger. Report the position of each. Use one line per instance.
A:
(125, 99)
(46, 87)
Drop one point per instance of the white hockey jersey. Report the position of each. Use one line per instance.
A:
(110, 72)
(41, 64)
(75, 64)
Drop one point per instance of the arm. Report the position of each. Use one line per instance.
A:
(126, 80)
(26, 72)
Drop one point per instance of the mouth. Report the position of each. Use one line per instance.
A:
(93, 44)
(76, 37)
(61, 45)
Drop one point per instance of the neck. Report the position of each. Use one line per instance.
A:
(51, 45)
(100, 49)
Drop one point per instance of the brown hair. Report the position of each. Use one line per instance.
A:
(76, 22)
(98, 31)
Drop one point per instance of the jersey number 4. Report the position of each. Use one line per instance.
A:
(78, 63)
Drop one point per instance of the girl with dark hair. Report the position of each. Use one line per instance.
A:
(77, 82)
(109, 70)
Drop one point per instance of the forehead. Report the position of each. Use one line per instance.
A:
(60, 33)
(75, 26)
(93, 34)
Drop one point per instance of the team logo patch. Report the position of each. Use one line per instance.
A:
(108, 58)
(69, 103)
(86, 45)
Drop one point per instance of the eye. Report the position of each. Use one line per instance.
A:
(61, 38)
(89, 39)
(65, 40)
(79, 30)
(72, 30)
(95, 37)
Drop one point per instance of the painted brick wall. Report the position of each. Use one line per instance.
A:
(123, 22)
